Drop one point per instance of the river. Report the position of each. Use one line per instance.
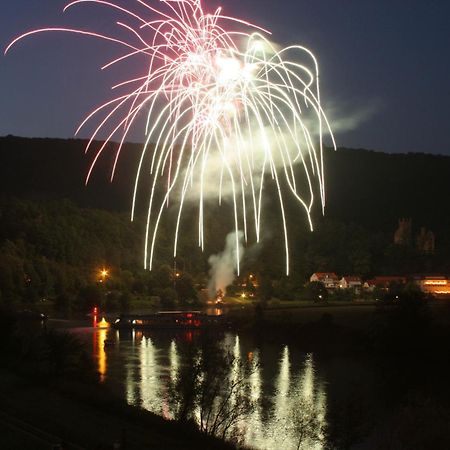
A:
(344, 396)
(283, 385)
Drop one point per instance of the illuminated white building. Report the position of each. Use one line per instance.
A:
(438, 286)
(350, 282)
(329, 279)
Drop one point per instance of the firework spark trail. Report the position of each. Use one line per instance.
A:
(221, 105)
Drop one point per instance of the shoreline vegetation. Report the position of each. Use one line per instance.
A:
(57, 236)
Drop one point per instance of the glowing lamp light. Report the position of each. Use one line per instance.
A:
(103, 274)
(103, 323)
(436, 283)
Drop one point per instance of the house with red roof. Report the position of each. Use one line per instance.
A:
(383, 282)
(350, 282)
(329, 279)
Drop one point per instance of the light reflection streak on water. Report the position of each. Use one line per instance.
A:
(214, 311)
(99, 337)
(174, 367)
(253, 429)
(307, 378)
(150, 382)
(236, 376)
(235, 372)
(278, 401)
(277, 429)
(310, 398)
(197, 412)
(130, 385)
(255, 377)
(281, 399)
(132, 397)
(174, 361)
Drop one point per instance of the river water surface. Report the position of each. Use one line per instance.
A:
(284, 384)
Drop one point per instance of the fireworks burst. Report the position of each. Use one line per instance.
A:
(222, 103)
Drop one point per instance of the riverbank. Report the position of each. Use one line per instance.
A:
(83, 416)
(332, 327)
(348, 328)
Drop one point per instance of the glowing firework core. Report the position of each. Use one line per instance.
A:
(223, 107)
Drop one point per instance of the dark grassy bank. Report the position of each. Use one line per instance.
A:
(411, 324)
(91, 417)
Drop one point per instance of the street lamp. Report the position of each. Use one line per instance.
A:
(103, 275)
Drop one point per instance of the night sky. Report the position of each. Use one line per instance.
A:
(385, 66)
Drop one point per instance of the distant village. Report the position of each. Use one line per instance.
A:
(437, 285)
(354, 286)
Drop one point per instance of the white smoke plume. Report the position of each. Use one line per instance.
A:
(224, 264)
(345, 117)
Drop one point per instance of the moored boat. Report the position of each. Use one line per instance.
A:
(169, 319)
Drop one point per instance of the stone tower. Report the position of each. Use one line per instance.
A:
(425, 241)
(402, 235)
